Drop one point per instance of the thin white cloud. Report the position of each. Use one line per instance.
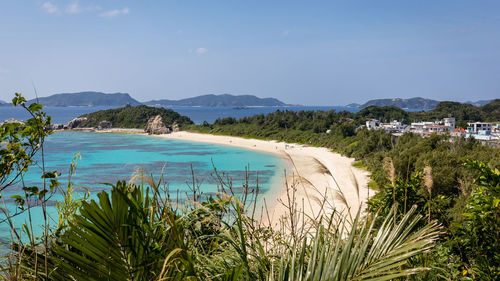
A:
(73, 8)
(115, 13)
(201, 51)
(285, 33)
(50, 8)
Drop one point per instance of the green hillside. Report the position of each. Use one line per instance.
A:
(133, 117)
(224, 100)
(412, 103)
(463, 112)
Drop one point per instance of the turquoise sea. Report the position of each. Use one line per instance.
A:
(197, 114)
(109, 157)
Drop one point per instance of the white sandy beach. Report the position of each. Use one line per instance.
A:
(314, 183)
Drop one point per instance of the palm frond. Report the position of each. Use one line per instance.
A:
(362, 254)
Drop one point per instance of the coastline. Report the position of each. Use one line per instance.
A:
(322, 180)
(315, 173)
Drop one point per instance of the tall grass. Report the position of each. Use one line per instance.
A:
(135, 232)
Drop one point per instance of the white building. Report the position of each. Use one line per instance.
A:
(482, 135)
(445, 125)
(450, 122)
(371, 124)
(421, 127)
(477, 127)
(393, 127)
(435, 128)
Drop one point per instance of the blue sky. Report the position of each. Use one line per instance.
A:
(302, 52)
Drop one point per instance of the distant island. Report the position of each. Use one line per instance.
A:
(479, 102)
(91, 98)
(122, 99)
(224, 100)
(87, 99)
(411, 103)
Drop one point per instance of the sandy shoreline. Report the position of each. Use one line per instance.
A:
(317, 173)
(322, 179)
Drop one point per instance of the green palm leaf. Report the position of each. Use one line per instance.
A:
(118, 239)
(361, 253)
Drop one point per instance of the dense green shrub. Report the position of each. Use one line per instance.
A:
(134, 117)
(477, 233)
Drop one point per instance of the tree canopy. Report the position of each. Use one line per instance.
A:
(134, 117)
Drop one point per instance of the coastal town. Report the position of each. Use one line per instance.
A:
(483, 131)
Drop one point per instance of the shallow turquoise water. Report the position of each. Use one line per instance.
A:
(107, 158)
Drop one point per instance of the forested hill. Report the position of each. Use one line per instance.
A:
(412, 103)
(87, 99)
(133, 117)
(462, 112)
(224, 100)
(492, 109)
(321, 121)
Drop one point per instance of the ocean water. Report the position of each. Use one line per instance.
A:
(109, 157)
(197, 114)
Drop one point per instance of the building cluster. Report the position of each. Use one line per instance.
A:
(478, 130)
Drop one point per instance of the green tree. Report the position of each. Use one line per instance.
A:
(478, 234)
(19, 142)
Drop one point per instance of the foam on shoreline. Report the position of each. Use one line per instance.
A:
(315, 172)
(321, 179)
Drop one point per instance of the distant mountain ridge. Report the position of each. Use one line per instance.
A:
(479, 102)
(120, 99)
(87, 99)
(224, 100)
(411, 103)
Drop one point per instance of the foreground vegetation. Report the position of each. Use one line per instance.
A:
(132, 235)
(435, 216)
(430, 172)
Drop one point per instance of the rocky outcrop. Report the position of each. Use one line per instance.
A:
(57, 127)
(75, 123)
(155, 126)
(105, 124)
(12, 120)
(175, 127)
